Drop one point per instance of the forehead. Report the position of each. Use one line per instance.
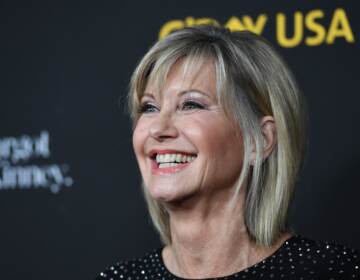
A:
(183, 75)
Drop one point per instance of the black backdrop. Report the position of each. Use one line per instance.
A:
(70, 202)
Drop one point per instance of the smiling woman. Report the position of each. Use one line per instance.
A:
(186, 124)
(220, 137)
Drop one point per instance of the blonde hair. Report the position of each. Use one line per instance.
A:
(252, 81)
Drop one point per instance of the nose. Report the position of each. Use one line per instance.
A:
(163, 127)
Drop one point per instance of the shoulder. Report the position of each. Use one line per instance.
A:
(324, 258)
(133, 269)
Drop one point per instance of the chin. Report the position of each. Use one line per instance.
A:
(167, 194)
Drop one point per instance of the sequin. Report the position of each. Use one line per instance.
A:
(298, 258)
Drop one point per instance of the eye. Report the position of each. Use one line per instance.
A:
(192, 105)
(148, 108)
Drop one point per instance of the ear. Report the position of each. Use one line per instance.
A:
(268, 130)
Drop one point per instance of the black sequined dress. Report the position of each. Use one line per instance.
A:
(298, 258)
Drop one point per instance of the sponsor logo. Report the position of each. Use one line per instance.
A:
(313, 28)
(20, 166)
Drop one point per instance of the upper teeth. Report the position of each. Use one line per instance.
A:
(173, 158)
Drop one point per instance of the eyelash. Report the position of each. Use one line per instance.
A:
(192, 104)
(144, 108)
(186, 106)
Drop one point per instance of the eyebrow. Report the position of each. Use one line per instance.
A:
(181, 93)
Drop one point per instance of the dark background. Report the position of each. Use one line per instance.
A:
(65, 68)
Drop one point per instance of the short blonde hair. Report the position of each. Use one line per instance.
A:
(252, 81)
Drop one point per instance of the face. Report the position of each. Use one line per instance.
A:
(184, 144)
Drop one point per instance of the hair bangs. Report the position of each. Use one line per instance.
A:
(155, 70)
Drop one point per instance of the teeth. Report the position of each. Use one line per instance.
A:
(167, 164)
(173, 158)
(178, 158)
(167, 158)
(159, 158)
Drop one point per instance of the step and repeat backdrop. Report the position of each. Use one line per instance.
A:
(70, 198)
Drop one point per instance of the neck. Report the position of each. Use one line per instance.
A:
(210, 239)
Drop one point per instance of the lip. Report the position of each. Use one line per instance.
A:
(167, 170)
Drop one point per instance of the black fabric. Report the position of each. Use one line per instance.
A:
(297, 258)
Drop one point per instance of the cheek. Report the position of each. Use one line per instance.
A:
(138, 139)
(211, 135)
(218, 145)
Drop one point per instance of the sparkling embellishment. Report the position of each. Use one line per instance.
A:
(298, 258)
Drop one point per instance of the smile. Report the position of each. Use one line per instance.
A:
(170, 162)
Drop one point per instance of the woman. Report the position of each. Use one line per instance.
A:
(220, 137)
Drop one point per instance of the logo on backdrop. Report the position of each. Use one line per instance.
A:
(20, 167)
(310, 29)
